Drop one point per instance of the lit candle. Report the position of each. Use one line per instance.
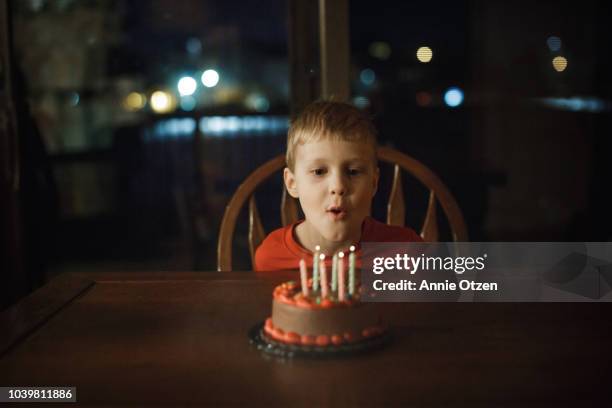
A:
(334, 283)
(324, 287)
(341, 278)
(352, 270)
(315, 269)
(304, 277)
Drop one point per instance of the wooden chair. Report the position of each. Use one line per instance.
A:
(289, 206)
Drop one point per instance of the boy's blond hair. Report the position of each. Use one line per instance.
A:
(326, 120)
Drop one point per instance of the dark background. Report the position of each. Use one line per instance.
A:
(108, 187)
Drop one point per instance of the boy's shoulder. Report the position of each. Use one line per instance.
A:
(276, 251)
(376, 231)
(276, 236)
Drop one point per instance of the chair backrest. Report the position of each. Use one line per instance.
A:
(289, 206)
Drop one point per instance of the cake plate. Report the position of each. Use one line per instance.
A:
(265, 344)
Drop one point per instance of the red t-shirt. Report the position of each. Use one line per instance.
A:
(280, 250)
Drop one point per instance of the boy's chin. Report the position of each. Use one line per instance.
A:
(336, 236)
(342, 232)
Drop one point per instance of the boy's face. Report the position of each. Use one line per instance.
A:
(335, 182)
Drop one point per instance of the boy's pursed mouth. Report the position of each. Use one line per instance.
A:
(336, 212)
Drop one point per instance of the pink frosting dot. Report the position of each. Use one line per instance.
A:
(322, 340)
(308, 340)
(337, 339)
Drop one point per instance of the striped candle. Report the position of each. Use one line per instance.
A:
(324, 286)
(352, 271)
(341, 278)
(315, 269)
(304, 277)
(334, 283)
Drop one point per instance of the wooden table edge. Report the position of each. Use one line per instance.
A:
(26, 316)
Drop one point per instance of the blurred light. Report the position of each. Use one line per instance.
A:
(162, 102)
(74, 99)
(216, 125)
(174, 128)
(233, 124)
(423, 98)
(193, 46)
(424, 54)
(229, 94)
(250, 123)
(453, 97)
(241, 125)
(559, 64)
(586, 104)
(187, 85)
(134, 101)
(257, 102)
(210, 78)
(361, 102)
(367, 76)
(380, 50)
(188, 103)
(554, 43)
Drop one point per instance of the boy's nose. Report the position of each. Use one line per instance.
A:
(337, 191)
(337, 186)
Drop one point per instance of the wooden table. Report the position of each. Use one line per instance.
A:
(181, 338)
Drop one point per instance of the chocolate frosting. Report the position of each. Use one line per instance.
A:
(324, 321)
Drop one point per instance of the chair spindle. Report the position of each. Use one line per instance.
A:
(429, 232)
(289, 209)
(396, 210)
(256, 230)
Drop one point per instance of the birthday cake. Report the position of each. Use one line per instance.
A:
(314, 313)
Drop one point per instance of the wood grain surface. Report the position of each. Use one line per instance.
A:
(181, 338)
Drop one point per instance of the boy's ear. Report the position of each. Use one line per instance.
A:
(375, 181)
(289, 179)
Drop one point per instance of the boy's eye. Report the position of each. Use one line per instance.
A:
(354, 171)
(318, 172)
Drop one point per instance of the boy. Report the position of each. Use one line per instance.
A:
(332, 170)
